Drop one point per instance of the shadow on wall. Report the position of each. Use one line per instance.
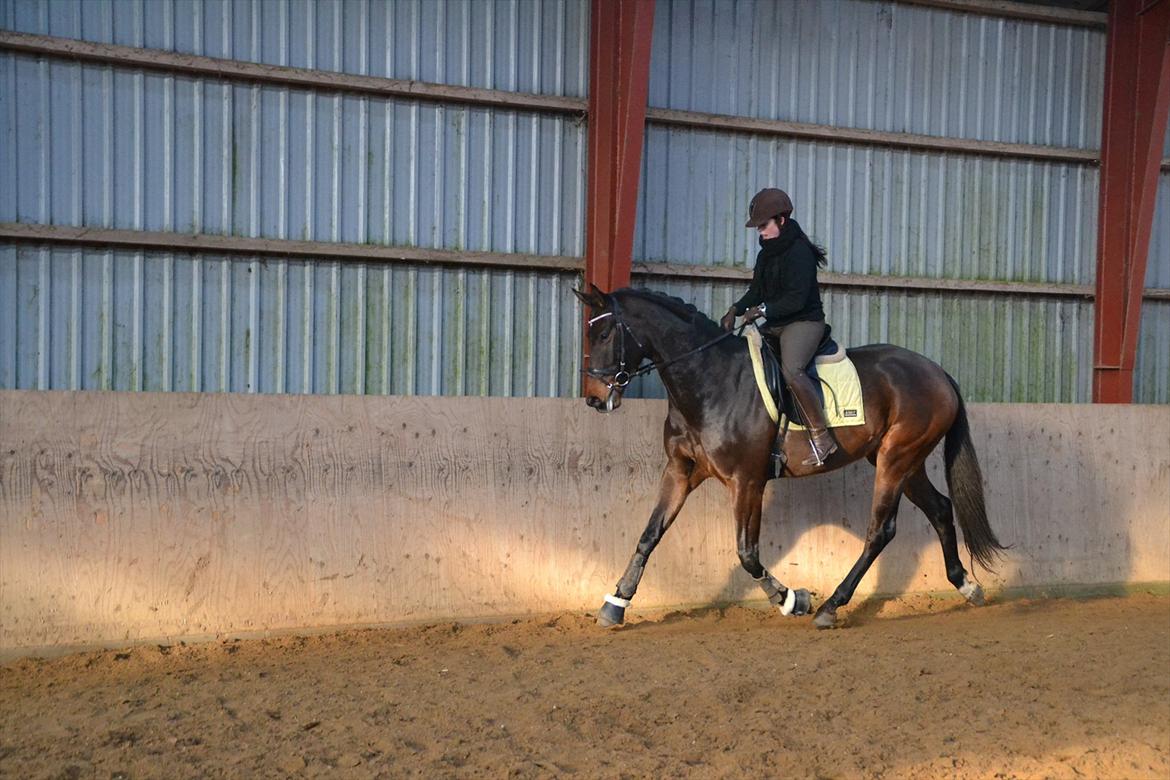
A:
(1057, 493)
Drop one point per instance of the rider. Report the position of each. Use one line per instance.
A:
(784, 291)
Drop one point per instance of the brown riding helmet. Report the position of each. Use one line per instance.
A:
(768, 203)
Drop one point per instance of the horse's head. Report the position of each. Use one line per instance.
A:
(614, 351)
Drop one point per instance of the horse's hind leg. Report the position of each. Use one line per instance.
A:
(887, 492)
(937, 508)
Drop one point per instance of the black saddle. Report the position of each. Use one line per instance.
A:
(828, 351)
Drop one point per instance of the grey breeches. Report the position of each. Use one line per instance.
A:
(798, 342)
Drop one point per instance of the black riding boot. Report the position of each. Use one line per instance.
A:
(806, 397)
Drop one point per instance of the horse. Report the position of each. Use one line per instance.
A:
(717, 426)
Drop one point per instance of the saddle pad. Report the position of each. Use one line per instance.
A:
(843, 403)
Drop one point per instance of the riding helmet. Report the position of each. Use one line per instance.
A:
(768, 203)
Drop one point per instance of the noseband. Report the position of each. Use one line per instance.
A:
(621, 377)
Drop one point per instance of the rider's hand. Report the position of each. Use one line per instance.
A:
(728, 321)
(754, 313)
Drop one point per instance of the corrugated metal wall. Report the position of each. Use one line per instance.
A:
(896, 68)
(1151, 381)
(538, 46)
(880, 66)
(124, 148)
(119, 147)
(119, 320)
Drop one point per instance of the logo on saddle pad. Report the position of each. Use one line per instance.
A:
(839, 385)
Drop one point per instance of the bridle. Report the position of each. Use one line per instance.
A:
(621, 377)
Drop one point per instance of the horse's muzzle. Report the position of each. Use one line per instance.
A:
(612, 401)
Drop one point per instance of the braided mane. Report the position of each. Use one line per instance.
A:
(676, 306)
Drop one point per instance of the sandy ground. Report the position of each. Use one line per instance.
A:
(911, 688)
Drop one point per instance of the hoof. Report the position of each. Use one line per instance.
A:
(973, 592)
(795, 602)
(611, 615)
(825, 619)
(803, 604)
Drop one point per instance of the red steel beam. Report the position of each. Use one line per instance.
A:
(1137, 99)
(619, 75)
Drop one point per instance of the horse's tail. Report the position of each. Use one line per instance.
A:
(965, 483)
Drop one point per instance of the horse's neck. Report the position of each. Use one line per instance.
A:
(689, 382)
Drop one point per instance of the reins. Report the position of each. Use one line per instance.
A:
(621, 378)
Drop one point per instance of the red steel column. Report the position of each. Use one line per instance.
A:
(619, 76)
(1137, 98)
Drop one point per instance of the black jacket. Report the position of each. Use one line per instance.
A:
(785, 279)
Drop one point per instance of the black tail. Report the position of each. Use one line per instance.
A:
(965, 483)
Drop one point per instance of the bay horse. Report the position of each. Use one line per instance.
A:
(717, 426)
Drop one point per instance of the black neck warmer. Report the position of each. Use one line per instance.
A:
(790, 232)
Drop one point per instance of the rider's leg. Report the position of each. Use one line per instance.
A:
(798, 344)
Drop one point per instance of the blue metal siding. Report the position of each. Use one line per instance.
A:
(1152, 368)
(122, 148)
(877, 211)
(116, 320)
(896, 68)
(881, 66)
(538, 46)
(112, 147)
(1151, 375)
(103, 147)
(878, 66)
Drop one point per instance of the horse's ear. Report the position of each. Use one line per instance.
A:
(593, 299)
(600, 293)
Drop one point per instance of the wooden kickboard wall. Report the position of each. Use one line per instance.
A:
(129, 517)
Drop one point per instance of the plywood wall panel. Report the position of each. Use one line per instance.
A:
(134, 516)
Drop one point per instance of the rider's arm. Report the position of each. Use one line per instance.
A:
(755, 294)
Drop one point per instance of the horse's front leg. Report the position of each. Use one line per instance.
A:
(678, 480)
(747, 498)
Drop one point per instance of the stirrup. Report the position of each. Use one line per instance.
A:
(818, 458)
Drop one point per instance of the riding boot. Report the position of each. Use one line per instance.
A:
(821, 441)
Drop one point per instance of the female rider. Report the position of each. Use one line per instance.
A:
(784, 291)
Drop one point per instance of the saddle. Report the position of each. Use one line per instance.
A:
(831, 370)
(828, 352)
